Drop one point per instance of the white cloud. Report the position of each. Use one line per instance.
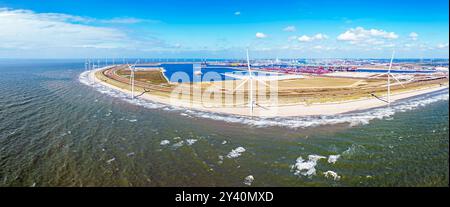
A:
(360, 34)
(25, 29)
(177, 45)
(127, 20)
(443, 46)
(318, 36)
(320, 47)
(390, 35)
(260, 35)
(237, 13)
(414, 46)
(290, 29)
(389, 45)
(84, 20)
(348, 36)
(305, 38)
(375, 42)
(413, 36)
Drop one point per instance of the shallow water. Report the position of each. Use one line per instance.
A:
(58, 131)
(184, 73)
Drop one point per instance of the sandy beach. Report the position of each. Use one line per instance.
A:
(331, 108)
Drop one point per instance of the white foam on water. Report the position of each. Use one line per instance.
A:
(354, 148)
(110, 160)
(85, 79)
(333, 158)
(164, 142)
(236, 152)
(352, 118)
(220, 159)
(306, 167)
(13, 132)
(331, 174)
(178, 144)
(190, 141)
(248, 180)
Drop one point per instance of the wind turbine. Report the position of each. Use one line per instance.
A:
(89, 64)
(132, 67)
(389, 76)
(389, 79)
(251, 84)
(250, 77)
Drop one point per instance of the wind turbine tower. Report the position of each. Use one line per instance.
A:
(251, 84)
(389, 79)
(132, 67)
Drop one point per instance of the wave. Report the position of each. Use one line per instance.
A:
(352, 118)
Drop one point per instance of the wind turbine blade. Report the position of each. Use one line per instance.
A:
(392, 59)
(248, 64)
(389, 78)
(264, 83)
(397, 80)
(240, 85)
(378, 75)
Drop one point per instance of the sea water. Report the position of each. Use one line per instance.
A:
(57, 128)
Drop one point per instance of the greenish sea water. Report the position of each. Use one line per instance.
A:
(57, 129)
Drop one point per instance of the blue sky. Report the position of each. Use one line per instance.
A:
(223, 28)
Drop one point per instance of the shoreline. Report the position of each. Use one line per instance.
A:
(294, 110)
